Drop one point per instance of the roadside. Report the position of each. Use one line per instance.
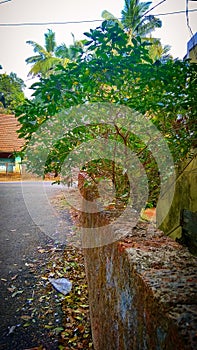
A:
(33, 314)
(9, 177)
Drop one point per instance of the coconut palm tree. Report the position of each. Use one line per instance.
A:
(50, 55)
(135, 21)
(45, 59)
(157, 51)
(111, 18)
(71, 52)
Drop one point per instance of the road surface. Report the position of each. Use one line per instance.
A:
(25, 212)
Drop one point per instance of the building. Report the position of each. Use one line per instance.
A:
(10, 143)
(192, 49)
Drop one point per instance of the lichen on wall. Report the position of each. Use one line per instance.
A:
(142, 293)
(142, 288)
(185, 197)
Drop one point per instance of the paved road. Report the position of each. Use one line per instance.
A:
(19, 238)
(26, 214)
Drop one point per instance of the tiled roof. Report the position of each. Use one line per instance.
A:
(9, 141)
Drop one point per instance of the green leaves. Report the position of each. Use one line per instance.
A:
(113, 68)
(12, 88)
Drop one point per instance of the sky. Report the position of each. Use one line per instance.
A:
(13, 47)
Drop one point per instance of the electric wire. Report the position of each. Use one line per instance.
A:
(2, 2)
(82, 21)
(152, 8)
(187, 17)
(186, 11)
(175, 12)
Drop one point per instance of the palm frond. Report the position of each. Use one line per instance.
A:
(44, 67)
(50, 43)
(34, 59)
(148, 25)
(37, 48)
(62, 51)
(134, 20)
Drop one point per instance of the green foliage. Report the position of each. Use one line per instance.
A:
(112, 69)
(135, 20)
(49, 56)
(136, 23)
(12, 88)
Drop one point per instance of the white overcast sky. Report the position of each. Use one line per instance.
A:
(13, 47)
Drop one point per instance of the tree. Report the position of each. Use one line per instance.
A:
(136, 23)
(135, 20)
(11, 88)
(72, 52)
(45, 59)
(2, 99)
(122, 73)
(49, 56)
(157, 51)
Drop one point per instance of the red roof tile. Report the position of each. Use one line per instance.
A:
(9, 141)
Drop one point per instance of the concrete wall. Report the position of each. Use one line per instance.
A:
(185, 198)
(10, 165)
(192, 48)
(142, 289)
(142, 294)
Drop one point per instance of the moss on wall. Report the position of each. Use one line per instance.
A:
(142, 288)
(185, 197)
(142, 293)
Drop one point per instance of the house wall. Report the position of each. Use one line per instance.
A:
(17, 167)
(9, 164)
(185, 197)
(9, 144)
(192, 48)
(6, 164)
